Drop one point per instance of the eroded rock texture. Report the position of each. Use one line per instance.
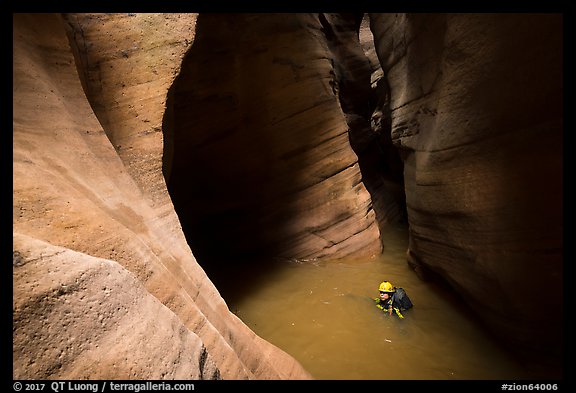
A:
(90, 317)
(262, 165)
(360, 90)
(105, 285)
(476, 110)
(260, 124)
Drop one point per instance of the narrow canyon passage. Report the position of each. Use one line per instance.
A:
(217, 196)
(269, 158)
(257, 152)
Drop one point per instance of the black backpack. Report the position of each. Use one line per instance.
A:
(401, 299)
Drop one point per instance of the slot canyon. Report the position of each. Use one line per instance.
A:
(159, 156)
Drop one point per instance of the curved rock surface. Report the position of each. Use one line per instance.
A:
(476, 111)
(95, 228)
(90, 317)
(261, 157)
(248, 117)
(358, 78)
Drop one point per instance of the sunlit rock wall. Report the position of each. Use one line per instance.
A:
(105, 285)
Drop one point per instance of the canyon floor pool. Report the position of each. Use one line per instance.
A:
(323, 315)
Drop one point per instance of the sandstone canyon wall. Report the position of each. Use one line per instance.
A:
(475, 109)
(145, 143)
(104, 283)
(358, 86)
(258, 157)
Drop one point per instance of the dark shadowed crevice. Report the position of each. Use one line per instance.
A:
(207, 144)
(256, 155)
(247, 126)
(365, 104)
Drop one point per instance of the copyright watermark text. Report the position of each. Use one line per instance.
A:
(99, 386)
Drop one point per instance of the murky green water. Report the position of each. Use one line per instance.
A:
(323, 315)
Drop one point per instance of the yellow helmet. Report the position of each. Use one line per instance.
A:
(387, 287)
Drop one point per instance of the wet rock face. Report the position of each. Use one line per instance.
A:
(257, 147)
(105, 285)
(476, 111)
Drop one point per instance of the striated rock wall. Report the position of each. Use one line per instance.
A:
(476, 110)
(358, 83)
(126, 63)
(105, 285)
(252, 120)
(261, 164)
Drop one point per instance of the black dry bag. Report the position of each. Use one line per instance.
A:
(402, 299)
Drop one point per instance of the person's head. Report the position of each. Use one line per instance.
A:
(386, 290)
(385, 295)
